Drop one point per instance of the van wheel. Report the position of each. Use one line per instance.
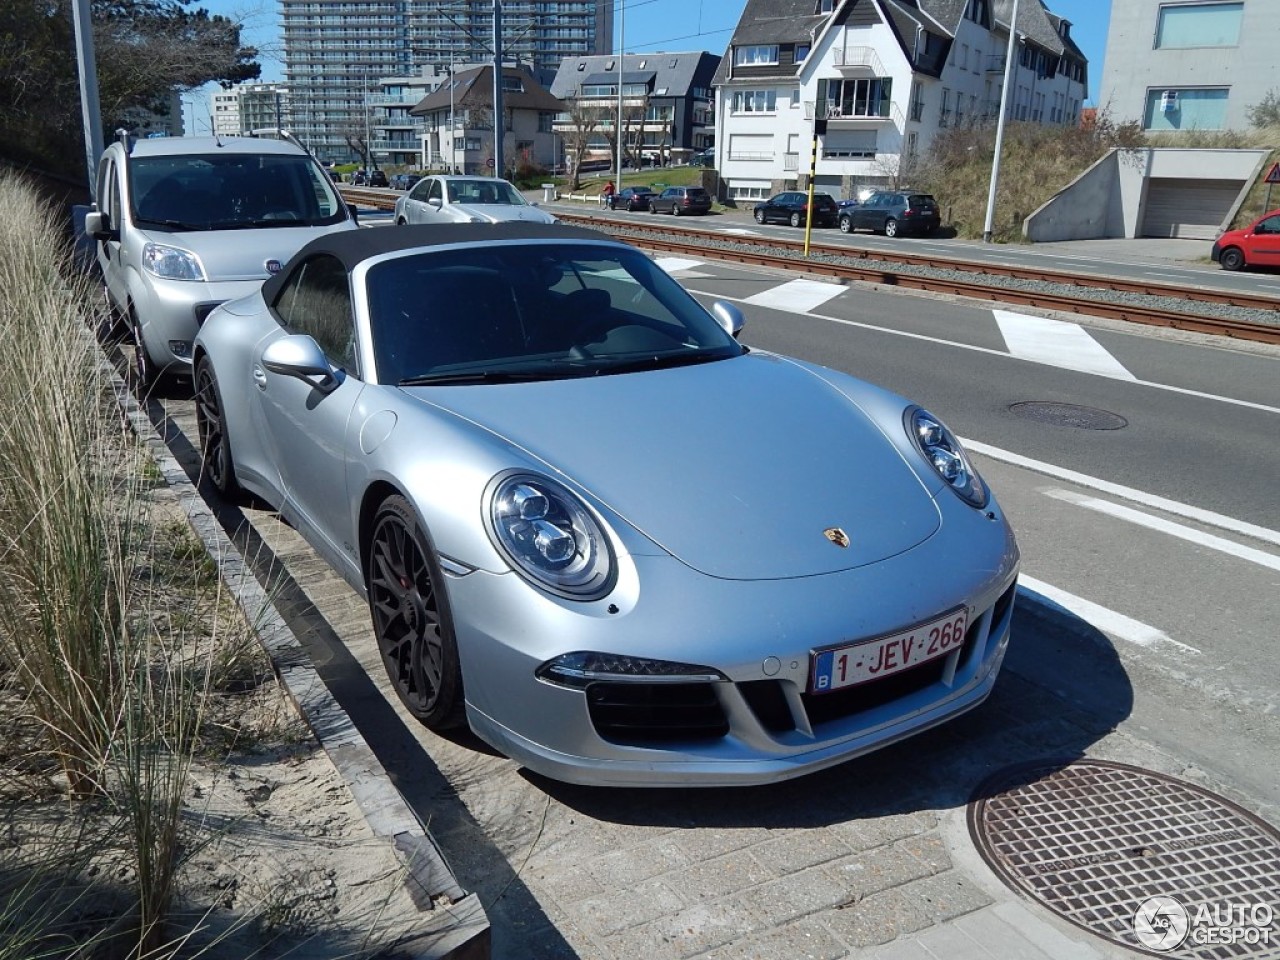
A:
(142, 369)
(1232, 259)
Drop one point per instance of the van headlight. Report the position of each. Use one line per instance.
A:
(550, 537)
(171, 263)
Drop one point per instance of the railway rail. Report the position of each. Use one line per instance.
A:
(988, 282)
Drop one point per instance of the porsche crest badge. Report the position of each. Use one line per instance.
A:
(836, 536)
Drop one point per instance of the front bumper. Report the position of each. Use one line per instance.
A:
(170, 313)
(760, 724)
(1215, 252)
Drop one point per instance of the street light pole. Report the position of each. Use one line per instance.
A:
(1009, 69)
(622, 46)
(498, 119)
(90, 107)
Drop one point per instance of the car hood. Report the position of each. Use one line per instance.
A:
(737, 467)
(502, 212)
(243, 254)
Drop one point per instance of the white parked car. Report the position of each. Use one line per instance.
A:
(466, 200)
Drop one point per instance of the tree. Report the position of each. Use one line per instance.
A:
(145, 50)
(584, 119)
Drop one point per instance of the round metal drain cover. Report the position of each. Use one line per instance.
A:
(1068, 415)
(1157, 865)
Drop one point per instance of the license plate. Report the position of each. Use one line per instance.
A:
(869, 660)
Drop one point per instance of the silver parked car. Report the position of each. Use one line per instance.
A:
(443, 199)
(184, 223)
(583, 516)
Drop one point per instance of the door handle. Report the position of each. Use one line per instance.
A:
(260, 377)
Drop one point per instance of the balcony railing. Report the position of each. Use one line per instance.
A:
(853, 58)
(790, 161)
(750, 155)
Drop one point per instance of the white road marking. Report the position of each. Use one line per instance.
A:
(797, 296)
(1248, 404)
(1184, 510)
(1058, 343)
(740, 231)
(676, 264)
(1260, 557)
(1108, 621)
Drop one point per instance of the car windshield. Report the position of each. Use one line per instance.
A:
(522, 311)
(231, 191)
(483, 191)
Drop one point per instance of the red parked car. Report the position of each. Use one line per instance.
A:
(1257, 245)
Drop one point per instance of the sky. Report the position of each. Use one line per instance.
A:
(661, 25)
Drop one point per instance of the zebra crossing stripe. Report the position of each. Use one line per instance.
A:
(796, 296)
(676, 264)
(1057, 343)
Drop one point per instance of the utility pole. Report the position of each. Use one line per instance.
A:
(90, 106)
(499, 121)
(1009, 69)
(622, 46)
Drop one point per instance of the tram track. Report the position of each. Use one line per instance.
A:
(1172, 306)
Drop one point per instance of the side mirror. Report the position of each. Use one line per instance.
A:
(98, 226)
(300, 356)
(729, 317)
(435, 202)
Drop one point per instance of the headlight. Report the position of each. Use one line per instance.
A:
(550, 537)
(943, 451)
(171, 263)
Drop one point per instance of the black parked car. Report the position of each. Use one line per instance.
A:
(633, 198)
(377, 178)
(404, 181)
(893, 212)
(793, 207)
(681, 200)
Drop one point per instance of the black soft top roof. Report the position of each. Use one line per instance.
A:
(352, 247)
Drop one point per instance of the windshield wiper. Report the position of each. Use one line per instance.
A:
(659, 362)
(477, 376)
(260, 223)
(177, 224)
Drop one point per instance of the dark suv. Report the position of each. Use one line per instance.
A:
(681, 200)
(892, 212)
(793, 207)
(377, 178)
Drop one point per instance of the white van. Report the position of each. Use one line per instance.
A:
(183, 224)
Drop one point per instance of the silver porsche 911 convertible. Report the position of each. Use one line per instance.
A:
(620, 545)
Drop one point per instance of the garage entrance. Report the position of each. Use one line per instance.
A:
(1188, 209)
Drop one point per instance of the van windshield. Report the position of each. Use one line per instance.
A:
(231, 191)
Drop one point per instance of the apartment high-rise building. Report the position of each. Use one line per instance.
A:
(336, 52)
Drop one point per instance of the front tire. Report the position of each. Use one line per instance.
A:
(1232, 259)
(142, 369)
(796, 220)
(891, 227)
(846, 225)
(411, 617)
(401, 222)
(675, 209)
(211, 424)
(759, 216)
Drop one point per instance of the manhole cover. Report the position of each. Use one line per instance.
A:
(1068, 415)
(1155, 864)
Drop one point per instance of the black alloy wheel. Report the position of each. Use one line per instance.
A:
(675, 208)
(1232, 259)
(411, 617)
(211, 425)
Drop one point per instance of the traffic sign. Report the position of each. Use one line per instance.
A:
(1273, 175)
(489, 163)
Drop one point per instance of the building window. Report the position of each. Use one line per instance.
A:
(802, 52)
(1203, 108)
(825, 6)
(755, 101)
(751, 146)
(759, 55)
(1199, 25)
(795, 98)
(976, 10)
(746, 190)
(512, 84)
(864, 97)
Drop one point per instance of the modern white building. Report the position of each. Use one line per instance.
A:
(1187, 65)
(225, 112)
(397, 136)
(885, 76)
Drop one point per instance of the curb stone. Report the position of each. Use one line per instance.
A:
(454, 924)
